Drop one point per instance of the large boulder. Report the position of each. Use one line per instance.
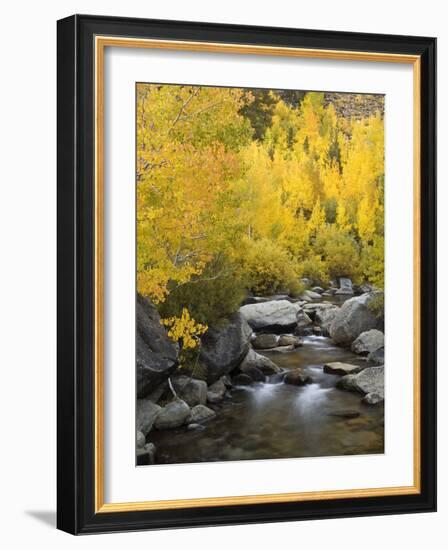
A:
(370, 380)
(156, 354)
(368, 341)
(146, 414)
(324, 317)
(192, 391)
(280, 315)
(224, 347)
(262, 363)
(353, 318)
(173, 415)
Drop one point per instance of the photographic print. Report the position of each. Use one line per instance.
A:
(226, 195)
(260, 274)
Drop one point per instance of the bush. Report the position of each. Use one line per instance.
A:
(339, 251)
(210, 297)
(270, 269)
(314, 268)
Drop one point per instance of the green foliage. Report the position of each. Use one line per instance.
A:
(314, 268)
(258, 109)
(270, 269)
(338, 251)
(211, 296)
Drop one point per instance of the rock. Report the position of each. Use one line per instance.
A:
(289, 340)
(193, 426)
(347, 382)
(303, 322)
(191, 390)
(344, 413)
(173, 415)
(199, 413)
(372, 398)
(309, 295)
(306, 281)
(265, 341)
(146, 455)
(317, 331)
(223, 348)
(140, 440)
(369, 380)
(264, 364)
(353, 318)
(242, 380)
(216, 392)
(278, 314)
(146, 414)
(341, 368)
(282, 349)
(345, 287)
(297, 377)
(156, 354)
(324, 317)
(226, 380)
(368, 341)
(318, 289)
(376, 357)
(330, 291)
(254, 373)
(312, 308)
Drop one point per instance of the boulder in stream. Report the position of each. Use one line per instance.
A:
(191, 390)
(265, 341)
(345, 287)
(376, 357)
(369, 380)
(372, 398)
(280, 315)
(353, 318)
(225, 346)
(199, 413)
(173, 415)
(337, 367)
(216, 391)
(156, 354)
(289, 340)
(368, 341)
(146, 414)
(297, 377)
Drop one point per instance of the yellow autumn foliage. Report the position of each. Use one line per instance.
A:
(239, 189)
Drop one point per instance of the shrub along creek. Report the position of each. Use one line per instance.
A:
(282, 377)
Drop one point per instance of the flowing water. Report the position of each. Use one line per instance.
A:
(277, 420)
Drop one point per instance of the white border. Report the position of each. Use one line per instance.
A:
(123, 481)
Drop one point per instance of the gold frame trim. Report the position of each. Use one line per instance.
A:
(101, 42)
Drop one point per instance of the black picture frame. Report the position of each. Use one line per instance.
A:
(76, 271)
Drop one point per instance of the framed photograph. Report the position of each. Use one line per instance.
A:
(246, 274)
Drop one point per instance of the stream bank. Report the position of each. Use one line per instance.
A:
(248, 411)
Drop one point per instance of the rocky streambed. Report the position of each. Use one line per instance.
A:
(285, 378)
